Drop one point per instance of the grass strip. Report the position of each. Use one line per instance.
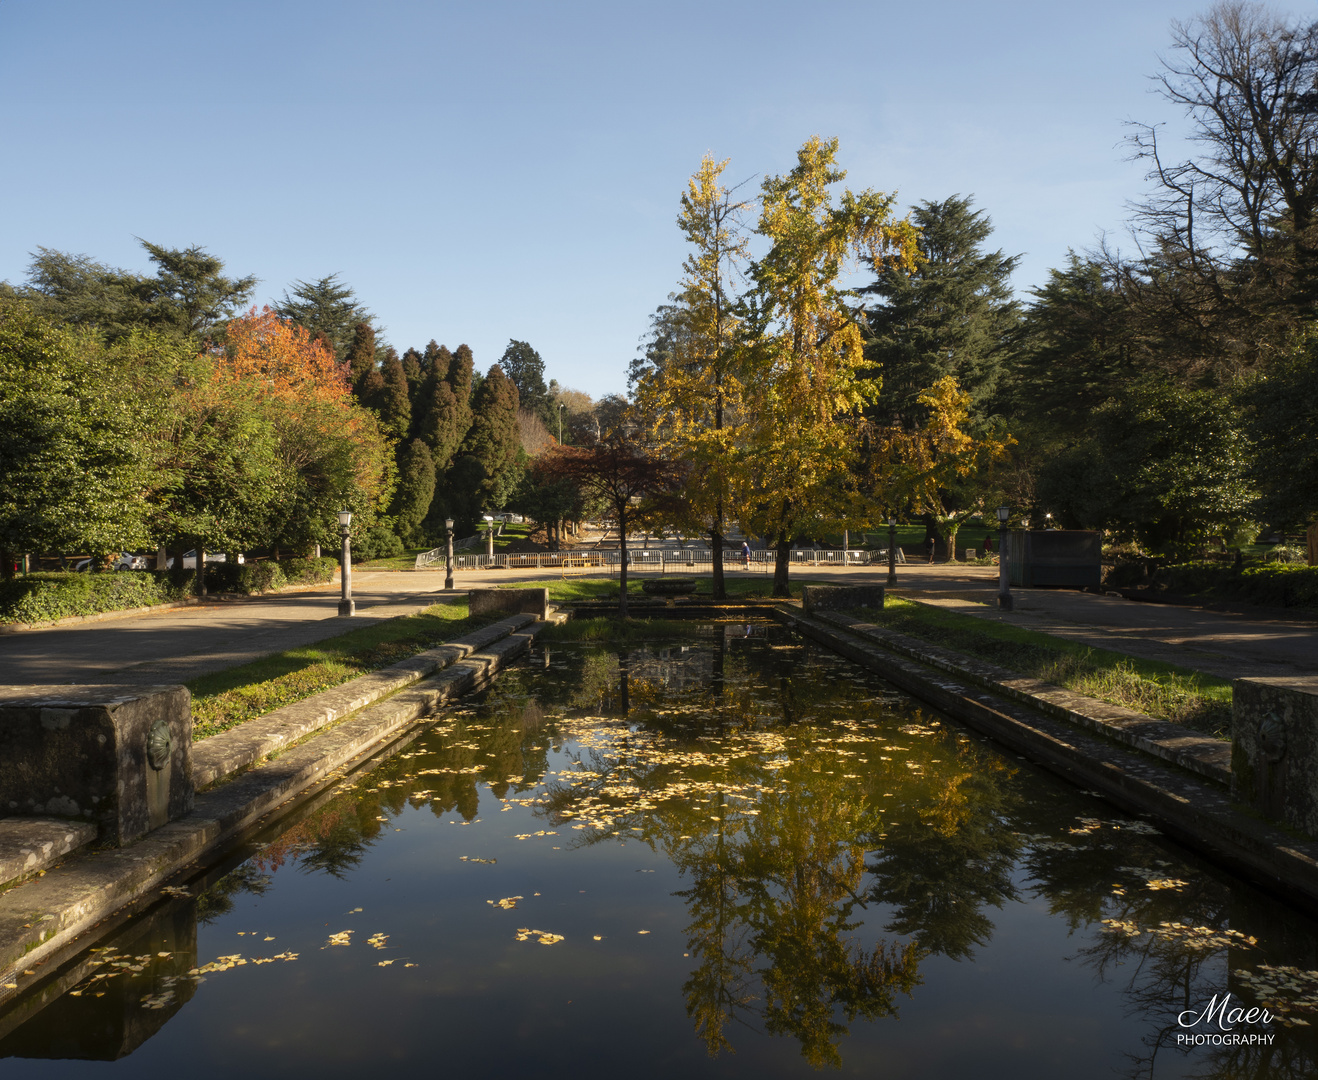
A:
(747, 587)
(225, 699)
(1165, 691)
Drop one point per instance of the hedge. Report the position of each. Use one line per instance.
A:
(310, 571)
(44, 597)
(1275, 585)
(47, 596)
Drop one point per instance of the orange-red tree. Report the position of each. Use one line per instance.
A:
(618, 473)
(331, 451)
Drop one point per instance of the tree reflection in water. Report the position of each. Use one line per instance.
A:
(830, 836)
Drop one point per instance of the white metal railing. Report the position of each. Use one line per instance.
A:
(670, 560)
(436, 555)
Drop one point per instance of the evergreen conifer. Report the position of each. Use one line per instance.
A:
(392, 404)
(416, 489)
(361, 358)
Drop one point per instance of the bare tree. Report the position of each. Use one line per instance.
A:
(1248, 81)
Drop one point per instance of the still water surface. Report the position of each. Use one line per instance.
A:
(721, 851)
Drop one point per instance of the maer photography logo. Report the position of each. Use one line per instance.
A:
(1220, 1023)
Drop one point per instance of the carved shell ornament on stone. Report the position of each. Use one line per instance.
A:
(158, 745)
(1272, 737)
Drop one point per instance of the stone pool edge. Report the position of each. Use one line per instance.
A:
(1189, 808)
(43, 919)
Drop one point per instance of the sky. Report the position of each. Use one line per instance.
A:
(486, 171)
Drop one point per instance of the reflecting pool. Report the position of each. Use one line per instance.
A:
(713, 851)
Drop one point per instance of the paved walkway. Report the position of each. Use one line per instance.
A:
(1224, 644)
(177, 645)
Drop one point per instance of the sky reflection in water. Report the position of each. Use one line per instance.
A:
(725, 853)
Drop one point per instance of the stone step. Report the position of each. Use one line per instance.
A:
(222, 755)
(30, 845)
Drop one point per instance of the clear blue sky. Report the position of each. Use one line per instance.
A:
(495, 170)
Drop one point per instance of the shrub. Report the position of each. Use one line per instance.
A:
(1273, 585)
(377, 542)
(1127, 575)
(309, 571)
(44, 597)
(246, 578)
(1285, 585)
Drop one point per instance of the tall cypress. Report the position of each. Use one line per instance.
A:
(412, 370)
(361, 358)
(416, 489)
(494, 440)
(443, 427)
(391, 401)
(436, 358)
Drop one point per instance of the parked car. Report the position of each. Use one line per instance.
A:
(126, 561)
(190, 559)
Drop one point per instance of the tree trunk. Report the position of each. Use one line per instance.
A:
(624, 687)
(622, 569)
(782, 560)
(6, 565)
(201, 570)
(716, 548)
(951, 542)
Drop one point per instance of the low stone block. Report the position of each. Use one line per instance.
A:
(1274, 749)
(118, 757)
(512, 601)
(840, 597)
(668, 586)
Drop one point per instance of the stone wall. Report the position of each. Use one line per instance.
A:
(840, 597)
(510, 601)
(1274, 749)
(119, 757)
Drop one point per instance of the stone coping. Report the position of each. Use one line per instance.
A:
(222, 755)
(1208, 757)
(1189, 808)
(29, 845)
(42, 918)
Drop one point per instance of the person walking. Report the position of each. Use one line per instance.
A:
(929, 547)
(745, 555)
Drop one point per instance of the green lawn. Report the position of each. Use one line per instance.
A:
(1165, 691)
(228, 698)
(405, 561)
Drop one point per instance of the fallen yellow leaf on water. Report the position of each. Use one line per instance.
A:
(598, 937)
(543, 936)
(409, 965)
(642, 931)
(267, 939)
(343, 937)
(508, 902)
(383, 963)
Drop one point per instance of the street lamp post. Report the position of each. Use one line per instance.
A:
(448, 556)
(346, 604)
(560, 423)
(892, 550)
(1004, 583)
(489, 536)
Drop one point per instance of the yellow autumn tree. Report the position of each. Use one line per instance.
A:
(946, 467)
(804, 396)
(689, 390)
